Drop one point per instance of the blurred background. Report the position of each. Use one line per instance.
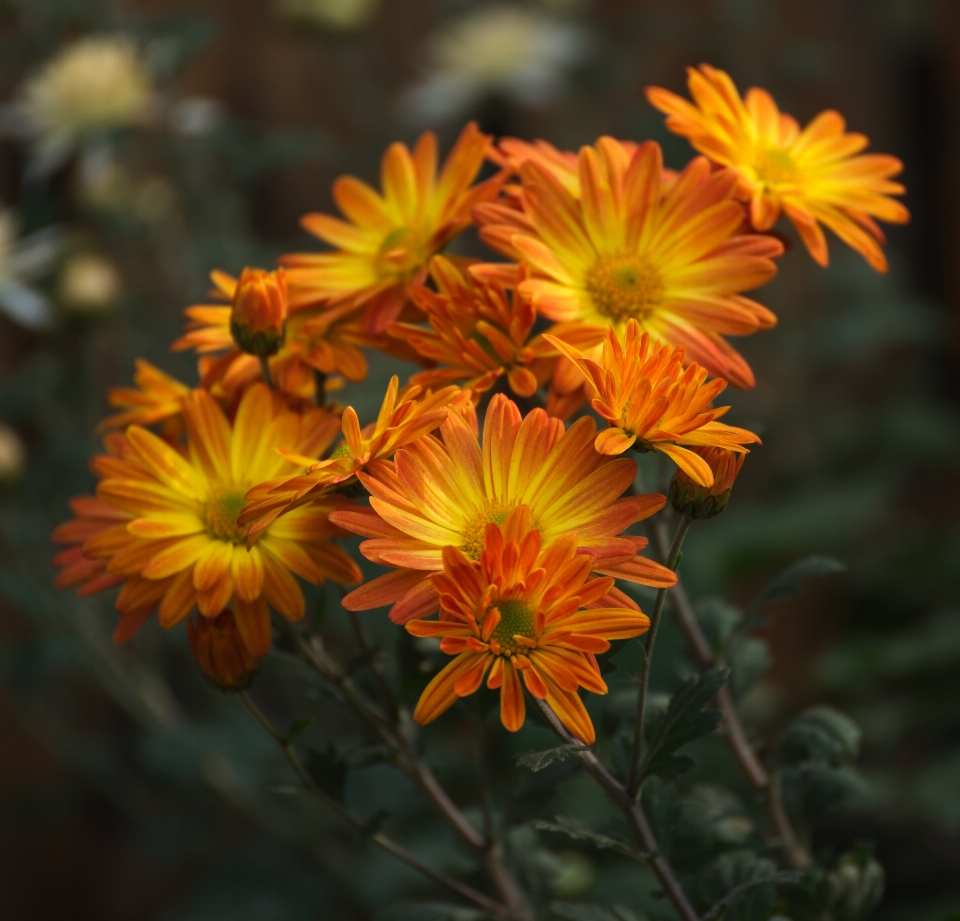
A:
(146, 142)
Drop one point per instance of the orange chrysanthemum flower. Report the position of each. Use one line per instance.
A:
(156, 398)
(387, 241)
(404, 416)
(172, 533)
(519, 610)
(479, 332)
(816, 176)
(327, 340)
(652, 404)
(440, 494)
(675, 262)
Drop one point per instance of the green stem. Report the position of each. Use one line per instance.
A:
(265, 370)
(379, 838)
(633, 813)
(672, 560)
(417, 769)
(686, 619)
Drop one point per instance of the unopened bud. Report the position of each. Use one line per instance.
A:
(13, 455)
(855, 886)
(695, 501)
(220, 652)
(258, 321)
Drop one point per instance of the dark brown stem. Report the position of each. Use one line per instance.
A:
(418, 770)
(672, 559)
(367, 649)
(633, 813)
(378, 837)
(686, 619)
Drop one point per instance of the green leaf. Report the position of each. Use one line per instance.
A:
(821, 734)
(582, 911)
(684, 721)
(787, 584)
(327, 770)
(537, 761)
(741, 892)
(564, 825)
(297, 729)
(661, 804)
(814, 789)
(427, 911)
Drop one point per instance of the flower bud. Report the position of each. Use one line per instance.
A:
(695, 501)
(13, 455)
(258, 320)
(854, 887)
(220, 652)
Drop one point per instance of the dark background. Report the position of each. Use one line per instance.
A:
(126, 791)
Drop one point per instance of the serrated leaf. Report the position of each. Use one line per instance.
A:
(684, 721)
(537, 761)
(327, 770)
(821, 734)
(736, 895)
(787, 584)
(564, 825)
(297, 729)
(661, 803)
(582, 911)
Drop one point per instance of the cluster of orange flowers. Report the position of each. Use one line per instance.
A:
(622, 281)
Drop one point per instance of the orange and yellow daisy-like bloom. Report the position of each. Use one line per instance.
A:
(443, 493)
(479, 332)
(404, 416)
(675, 261)
(815, 176)
(327, 340)
(652, 403)
(387, 240)
(519, 610)
(155, 399)
(174, 538)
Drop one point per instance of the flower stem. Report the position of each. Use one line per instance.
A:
(672, 560)
(394, 736)
(633, 813)
(686, 618)
(378, 837)
(265, 370)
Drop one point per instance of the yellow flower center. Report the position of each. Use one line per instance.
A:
(401, 252)
(516, 619)
(341, 450)
(220, 513)
(473, 533)
(775, 167)
(624, 287)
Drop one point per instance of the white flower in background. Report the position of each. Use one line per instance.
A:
(22, 261)
(89, 284)
(519, 53)
(95, 84)
(13, 454)
(343, 15)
